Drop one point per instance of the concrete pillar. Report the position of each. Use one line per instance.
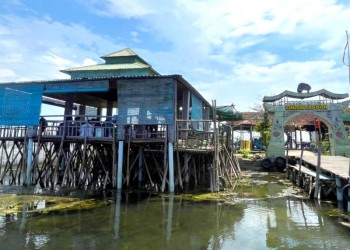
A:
(30, 134)
(170, 217)
(117, 215)
(339, 189)
(171, 167)
(120, 165)
(29, 161)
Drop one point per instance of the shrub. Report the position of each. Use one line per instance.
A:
(245, 153)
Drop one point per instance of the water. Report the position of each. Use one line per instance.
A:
(263, 213)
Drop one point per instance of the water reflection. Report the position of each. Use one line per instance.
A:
(145, 221)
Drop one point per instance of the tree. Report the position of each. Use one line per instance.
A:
(264, 127)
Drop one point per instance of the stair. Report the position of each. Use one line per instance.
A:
(248, 164)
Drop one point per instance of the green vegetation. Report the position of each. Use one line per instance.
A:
(12, 204)
(264, 127)
(325, 147)
(245, 153)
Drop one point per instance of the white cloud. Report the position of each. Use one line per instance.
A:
(135, 37)
(6, 73)
(229, 51)
(39, 49)
(88, 62)
(122, 8)
(56, 60)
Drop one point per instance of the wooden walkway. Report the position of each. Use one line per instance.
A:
(309, 172)
(333, 176)
(330, 165)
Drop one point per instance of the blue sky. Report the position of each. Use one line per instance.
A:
(230, 51)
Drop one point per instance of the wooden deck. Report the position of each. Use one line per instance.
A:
(330, 165)
(309, 172)
(333, 175)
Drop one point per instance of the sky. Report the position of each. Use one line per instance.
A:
(234, 52)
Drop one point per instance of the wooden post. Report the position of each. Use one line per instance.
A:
(109, 110)
(300, 163)
(179, 166)
(317, 193)
(68, 106)
(287, 155)
(128, 157)
(216, 158)
(186, 160)
(139, 172)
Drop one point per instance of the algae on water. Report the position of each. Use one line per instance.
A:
(12, 204)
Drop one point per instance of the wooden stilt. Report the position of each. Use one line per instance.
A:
(128, 158)
(179, 174)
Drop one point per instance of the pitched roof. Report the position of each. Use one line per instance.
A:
(119, 53)
(137, 63)
(248, 118)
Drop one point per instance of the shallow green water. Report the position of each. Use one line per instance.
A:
(265, 212)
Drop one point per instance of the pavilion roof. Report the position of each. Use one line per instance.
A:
(124, 59)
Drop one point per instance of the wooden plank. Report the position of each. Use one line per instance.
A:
(336, 165)
(308, 171)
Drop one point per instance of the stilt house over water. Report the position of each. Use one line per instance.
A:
(124, 125)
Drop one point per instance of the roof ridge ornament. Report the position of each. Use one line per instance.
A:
(303, 86)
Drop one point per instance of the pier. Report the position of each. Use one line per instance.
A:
(68, 159)
(333, 174)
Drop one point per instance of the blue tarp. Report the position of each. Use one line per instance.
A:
(20, 104)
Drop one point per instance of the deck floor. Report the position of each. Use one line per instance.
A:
(333, 165)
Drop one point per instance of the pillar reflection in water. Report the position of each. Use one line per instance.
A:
(170, 216)
(118, 200)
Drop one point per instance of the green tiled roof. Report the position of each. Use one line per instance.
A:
(136, 65)
(124, 59)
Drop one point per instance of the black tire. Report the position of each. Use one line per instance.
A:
(267, 163)
(280, 163)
